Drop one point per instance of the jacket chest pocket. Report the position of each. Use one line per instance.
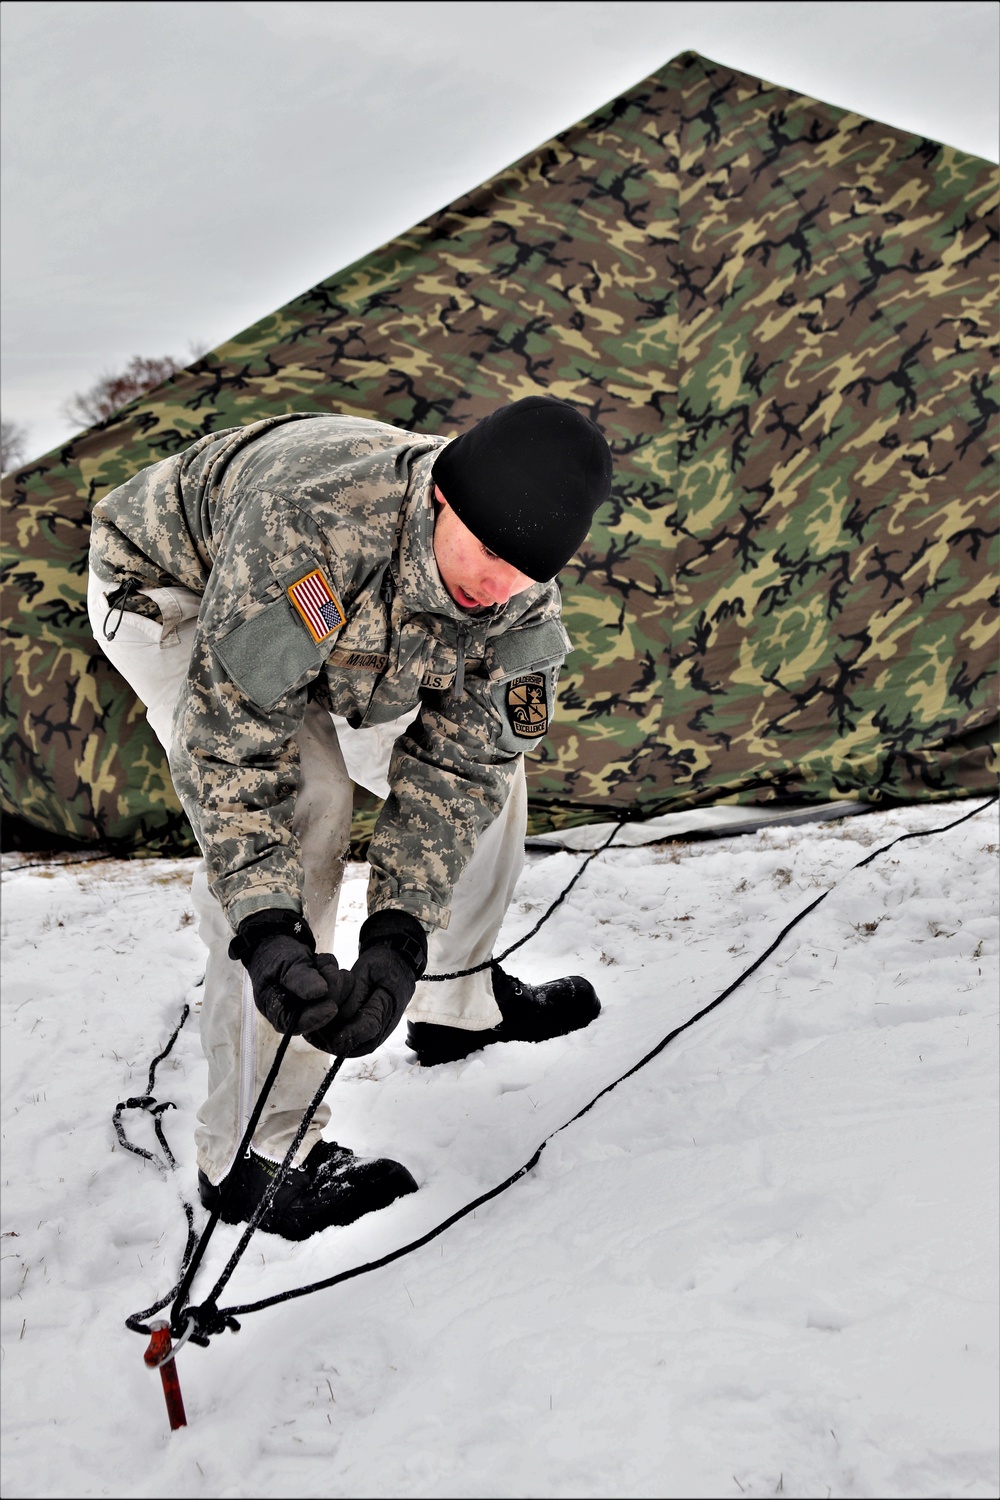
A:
(371, 673)
(363, 643)
(397, 688)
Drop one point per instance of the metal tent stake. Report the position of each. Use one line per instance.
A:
(159, 1356)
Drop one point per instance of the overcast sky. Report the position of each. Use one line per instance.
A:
(173, 171)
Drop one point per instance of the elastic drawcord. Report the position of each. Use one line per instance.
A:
(118, 601)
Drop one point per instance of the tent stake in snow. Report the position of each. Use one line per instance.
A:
(160, 1356)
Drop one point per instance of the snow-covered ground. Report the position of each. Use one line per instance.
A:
(766, 1263)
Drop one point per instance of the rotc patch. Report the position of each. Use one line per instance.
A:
(319, 609)
(527, 709)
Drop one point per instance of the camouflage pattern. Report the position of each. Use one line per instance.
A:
(310, 542)
(782, 315)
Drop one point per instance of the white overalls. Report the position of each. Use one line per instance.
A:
(238, 1042)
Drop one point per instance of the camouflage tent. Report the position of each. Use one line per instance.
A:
(781, 315)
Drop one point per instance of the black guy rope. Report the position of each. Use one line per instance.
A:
(208, 1318)
(148, 1103)
(489, 962)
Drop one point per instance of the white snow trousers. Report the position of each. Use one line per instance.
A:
(238, 1042)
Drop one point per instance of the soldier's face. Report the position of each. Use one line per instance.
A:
(473, 575)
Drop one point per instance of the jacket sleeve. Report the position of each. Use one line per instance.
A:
(451, 772)
(234, 758)
(156, 527)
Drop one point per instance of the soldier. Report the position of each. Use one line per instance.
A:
(314, 600)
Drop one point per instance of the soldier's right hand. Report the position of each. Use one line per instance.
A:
(294, 987)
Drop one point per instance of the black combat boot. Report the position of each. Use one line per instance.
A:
(531, 1013)
(330, 1187)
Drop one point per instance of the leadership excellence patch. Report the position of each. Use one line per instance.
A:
(526, 706)
(320, 610)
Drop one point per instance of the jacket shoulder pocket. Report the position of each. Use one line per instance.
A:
(270, 654)
(529, 649)
(523, 668)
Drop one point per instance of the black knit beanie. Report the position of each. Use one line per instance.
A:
(526, 480)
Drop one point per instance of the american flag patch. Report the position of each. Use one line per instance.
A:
(319, 608)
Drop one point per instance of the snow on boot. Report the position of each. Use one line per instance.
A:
(531, 1013)
(330, 1187)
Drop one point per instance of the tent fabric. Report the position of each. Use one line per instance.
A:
(781, 314)
(717, 821)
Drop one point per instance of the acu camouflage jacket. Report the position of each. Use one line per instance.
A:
(310, 539)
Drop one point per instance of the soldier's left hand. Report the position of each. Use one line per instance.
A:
(392, 957)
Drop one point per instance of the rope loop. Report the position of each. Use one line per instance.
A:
(137, 1322)
(201, 1324)
(148, 1103)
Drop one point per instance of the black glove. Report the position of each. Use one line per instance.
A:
(295, 987)
(392, 957)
